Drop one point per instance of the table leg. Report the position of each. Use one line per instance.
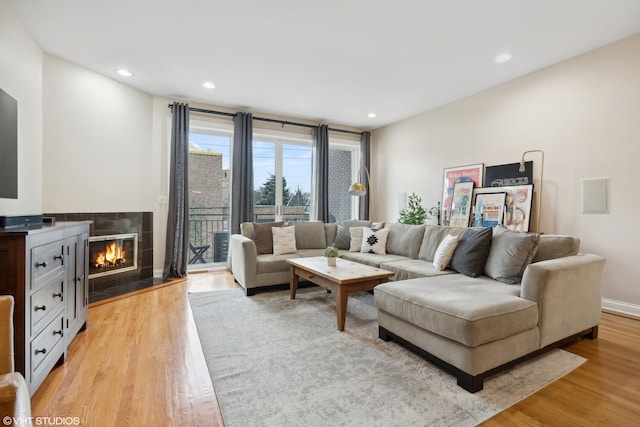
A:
(341, 306)
(293, 282)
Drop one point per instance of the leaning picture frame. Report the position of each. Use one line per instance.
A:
(518, 204)
(489, 208)
(469, 173)
(461, 204)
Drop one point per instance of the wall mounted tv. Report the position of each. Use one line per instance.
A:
(8, 146)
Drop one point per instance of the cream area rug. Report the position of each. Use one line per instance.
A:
(280, 362)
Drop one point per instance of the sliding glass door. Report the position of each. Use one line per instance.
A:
(209, 190)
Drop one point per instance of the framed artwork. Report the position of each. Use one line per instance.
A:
(461, 204)
(470, 173)
(489, 209)
(508, 175)
(518, 202)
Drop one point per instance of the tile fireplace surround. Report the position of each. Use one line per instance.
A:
(109, 223)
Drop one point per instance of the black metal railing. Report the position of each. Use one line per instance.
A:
(209, 229)
(209, 234)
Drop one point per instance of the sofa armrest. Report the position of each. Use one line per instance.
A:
(244, 260)
(14, 397)
(568, 292)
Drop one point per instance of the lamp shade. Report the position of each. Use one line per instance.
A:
(357, 189)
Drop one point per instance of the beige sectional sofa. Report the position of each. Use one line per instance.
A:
(520, 295)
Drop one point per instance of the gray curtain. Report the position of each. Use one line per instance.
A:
(321, 167)
(365, 155)
(242, 171)
(177, 248)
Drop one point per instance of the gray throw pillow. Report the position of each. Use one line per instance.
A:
(263, 236)
(472, 251)
(510, 254)
(343, 236)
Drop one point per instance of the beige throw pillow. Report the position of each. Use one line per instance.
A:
(356, 238)
(445, 252)
(284, 240)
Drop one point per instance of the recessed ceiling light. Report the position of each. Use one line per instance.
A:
(371, 115)
(124, 73)
(208, 85)
(503, 57)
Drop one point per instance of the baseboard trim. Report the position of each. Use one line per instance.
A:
(620, 307)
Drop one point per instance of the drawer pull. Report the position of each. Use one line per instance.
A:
(43, 307)
(57, 332)
(43, 351)
(60, 257)
(41, 264)
(58, 295)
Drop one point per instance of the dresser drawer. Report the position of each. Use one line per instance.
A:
(46, 261)
(48, 344)
(45, 302)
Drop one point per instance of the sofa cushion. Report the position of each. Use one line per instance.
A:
(310, 235)
(404, 239)
(471, 311)
(433, 235)
(330, 232)
(444, 253)
(374, 241)
(284, 240)
(555, 246)
(472, 251)
(263, 237)
(412, 269)
(510, 254)
(373, 260)
(343, 235)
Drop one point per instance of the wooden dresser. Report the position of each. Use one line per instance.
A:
(45, 269)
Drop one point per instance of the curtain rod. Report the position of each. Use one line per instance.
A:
(263, 119)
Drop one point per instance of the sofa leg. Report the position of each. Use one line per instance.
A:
(470, 383)
(249, 292)
(382, 334)
(593, 333)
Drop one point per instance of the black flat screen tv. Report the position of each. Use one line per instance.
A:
(8, 146)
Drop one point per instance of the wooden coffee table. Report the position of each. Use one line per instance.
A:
(346, 277)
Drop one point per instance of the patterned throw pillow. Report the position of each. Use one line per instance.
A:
(284, 240)
(445, 251)
(374, 241)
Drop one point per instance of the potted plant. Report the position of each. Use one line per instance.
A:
(331, 252)
(415, 213)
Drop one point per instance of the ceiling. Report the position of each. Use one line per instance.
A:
(331, 61)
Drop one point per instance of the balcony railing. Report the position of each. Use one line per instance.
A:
(209, 229)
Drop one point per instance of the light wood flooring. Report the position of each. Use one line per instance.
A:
(139, 363)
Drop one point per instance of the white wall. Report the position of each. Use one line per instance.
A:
(21, 77)
(97, 142)
(584, 113)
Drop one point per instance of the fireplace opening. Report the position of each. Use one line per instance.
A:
(112, 254)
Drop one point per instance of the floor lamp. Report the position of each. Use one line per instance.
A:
(522, 169)
(359, 189)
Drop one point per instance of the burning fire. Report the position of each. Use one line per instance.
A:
(114, 256)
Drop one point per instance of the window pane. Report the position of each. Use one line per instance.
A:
(340, 179)
(296, 182)
(264, 180)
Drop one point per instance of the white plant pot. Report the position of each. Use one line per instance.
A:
(331, 261)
